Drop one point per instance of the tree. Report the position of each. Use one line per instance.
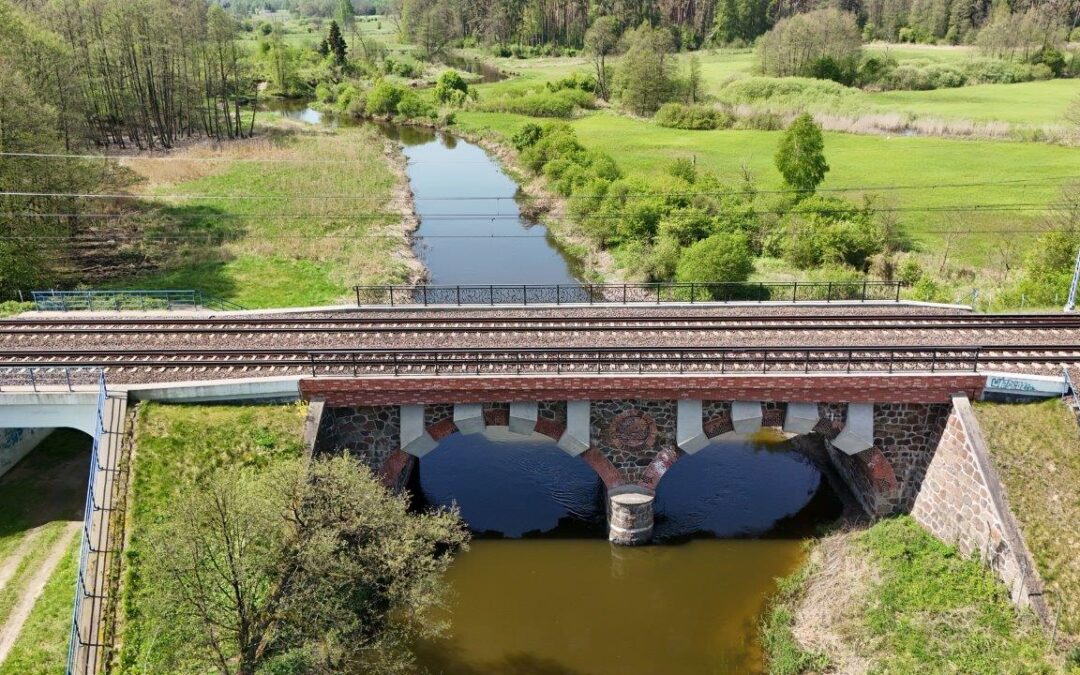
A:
(722, 257)
(646, 76)
(795, 44)
(345, 15)
(693, 80)
(801, 155)
(337, 44)
(601, 40)
(451, 88)
(296, 564)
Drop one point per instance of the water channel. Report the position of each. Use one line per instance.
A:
(541, 592)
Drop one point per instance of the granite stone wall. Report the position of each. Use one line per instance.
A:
(631, 433)
(961, 501)
(370, 433)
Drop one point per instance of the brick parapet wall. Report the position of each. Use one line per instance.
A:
(962, 501)
(369, 391)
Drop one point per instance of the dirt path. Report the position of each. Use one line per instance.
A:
(10, 564)
(10, 631)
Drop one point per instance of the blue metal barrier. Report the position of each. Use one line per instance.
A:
(143, 300)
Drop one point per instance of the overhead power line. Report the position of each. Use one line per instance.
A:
(515, 198)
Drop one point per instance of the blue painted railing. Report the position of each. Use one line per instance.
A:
(81, 639)
(73, 301)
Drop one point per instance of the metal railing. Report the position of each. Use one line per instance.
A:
(49, 378)
(84, 644)
(734, 360)
(143, 300)
(645, 293)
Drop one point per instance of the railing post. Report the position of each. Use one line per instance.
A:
(898, 285)
(357, 289)
(491, 294)
(458, 291)
(975, 368)
(691, 292)
(558, 294)
(425, 294)
(624, 294)
(794, 292)
(864, 290)
(33, 382)
(391, 296)
(933, 360)
(524, 295)
(828, 297)
(67, 377)
(849, 361)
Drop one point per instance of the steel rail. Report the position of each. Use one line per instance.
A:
(765, 359)
(590, 324)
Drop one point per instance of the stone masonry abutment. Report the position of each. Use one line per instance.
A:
(882, 450)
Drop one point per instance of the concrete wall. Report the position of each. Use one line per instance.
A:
(17, 443)
(961, 501)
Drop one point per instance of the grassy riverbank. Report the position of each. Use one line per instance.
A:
(176, 446)
(294, 217)
(1036, 450)
(892, 599)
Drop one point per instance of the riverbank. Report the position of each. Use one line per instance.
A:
(294, 217)
(892, 599)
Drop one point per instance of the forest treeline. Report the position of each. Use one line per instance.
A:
(696, 23)
(92, 74)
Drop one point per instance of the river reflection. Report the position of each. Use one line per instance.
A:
(564, 601)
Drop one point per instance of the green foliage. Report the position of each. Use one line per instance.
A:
(646, 76)
(785, 655)
(413, 106)
(451, 88)
(383, 98)
(310, 575)
(561, 104)
(692, 117)
(800, 157)
(723, 257)
(335, 42)
(798, 44)
(576, 80)
(527, 136)
(829, 231)
(935, 610)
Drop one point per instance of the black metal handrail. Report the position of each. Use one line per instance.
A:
(630, 293)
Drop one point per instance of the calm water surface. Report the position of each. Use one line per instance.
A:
(541, 592)
(560, 600)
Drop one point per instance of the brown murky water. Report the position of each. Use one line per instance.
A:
(577, 607)
(552, 597)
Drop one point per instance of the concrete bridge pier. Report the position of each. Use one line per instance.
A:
(630, 515)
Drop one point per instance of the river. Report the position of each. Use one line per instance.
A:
(541, 592)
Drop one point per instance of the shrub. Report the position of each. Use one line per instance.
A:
(451, 88)
(719, 258)
(324, 93)
(384, 97)
(830, 231)
(695, 117)
(580, 81)
(562, 104)
(414, 106)
(527, 136)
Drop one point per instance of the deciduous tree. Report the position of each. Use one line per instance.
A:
(800, 158)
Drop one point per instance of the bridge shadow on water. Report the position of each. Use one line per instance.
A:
(541, 592)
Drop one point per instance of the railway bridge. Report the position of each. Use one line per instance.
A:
(878, 391)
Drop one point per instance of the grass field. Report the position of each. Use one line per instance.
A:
(1036, 449)
(295, 209)
(857, 161)
(176, 446)
(39, 499)
(1026, 103)
(892, 599)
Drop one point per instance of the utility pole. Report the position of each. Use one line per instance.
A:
(1070, 305)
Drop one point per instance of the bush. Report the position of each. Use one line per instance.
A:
(830, 231)
(719, 258)
(695, 117)
(580, 81)
(527, 136)
(451, 88)
(324, 93)
(412, 105)
(383, 98)
(562, 104)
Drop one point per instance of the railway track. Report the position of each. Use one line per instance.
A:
(383, 362)
(24, 330)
